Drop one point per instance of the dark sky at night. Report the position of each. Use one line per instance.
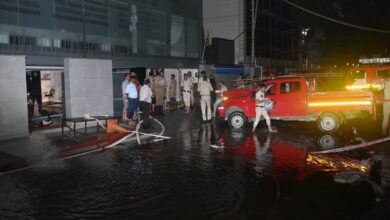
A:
(340, 43)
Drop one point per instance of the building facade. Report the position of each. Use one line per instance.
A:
(276, 36)
(147, 33)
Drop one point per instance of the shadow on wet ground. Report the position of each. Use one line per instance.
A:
(206, 171)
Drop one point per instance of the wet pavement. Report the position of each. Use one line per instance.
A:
(206, 171)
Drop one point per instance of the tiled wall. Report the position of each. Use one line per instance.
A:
(88, 87)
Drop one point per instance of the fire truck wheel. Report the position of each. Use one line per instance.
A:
(328, 122)
(237, 120)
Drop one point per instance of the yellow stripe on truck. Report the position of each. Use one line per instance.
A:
(316, 104)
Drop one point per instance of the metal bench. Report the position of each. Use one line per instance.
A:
(84, 120)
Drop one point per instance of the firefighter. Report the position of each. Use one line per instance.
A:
(386, 107)
(260, 111)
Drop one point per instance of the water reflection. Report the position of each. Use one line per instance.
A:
(288, 160)
(244, 175)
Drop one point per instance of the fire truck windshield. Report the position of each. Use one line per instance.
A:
(358, 74)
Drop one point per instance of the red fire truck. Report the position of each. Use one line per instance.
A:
(368, 75)
(298, 99)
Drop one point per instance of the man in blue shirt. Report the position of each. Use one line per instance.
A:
(132, 93)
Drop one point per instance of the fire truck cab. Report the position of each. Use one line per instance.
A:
(369, 75)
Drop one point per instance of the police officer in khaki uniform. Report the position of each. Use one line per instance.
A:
(205, 89)
(186, 88)
(260, 111)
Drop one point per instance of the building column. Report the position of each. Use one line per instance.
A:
(88, 87)
(13, 97)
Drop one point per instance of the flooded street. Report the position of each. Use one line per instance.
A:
(207, 171)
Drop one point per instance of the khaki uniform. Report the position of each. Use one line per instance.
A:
(260, 111)
(187, 90)
(386, 108)
(172, 88)
(159, 90)
(205, 89)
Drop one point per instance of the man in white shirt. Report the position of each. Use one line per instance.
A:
(186, 87)
(205, 89)
(260, 111)
(145, 103)
(124, 96)
(132, 93)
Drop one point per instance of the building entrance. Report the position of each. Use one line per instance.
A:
(44, 97)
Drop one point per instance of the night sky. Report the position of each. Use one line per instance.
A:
(338, 44)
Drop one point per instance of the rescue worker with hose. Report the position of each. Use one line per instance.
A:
(260, 111)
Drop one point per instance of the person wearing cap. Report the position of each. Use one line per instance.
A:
(145, 103)
(260, 111)
(186, 88)
(205, 89)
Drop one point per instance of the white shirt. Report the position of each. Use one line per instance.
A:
(204, 88)
(131, 90)
(186, 84)
(124, 86)
(146, 94)
(260, 97)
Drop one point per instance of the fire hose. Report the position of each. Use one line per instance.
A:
(353, 147)
(135, 132)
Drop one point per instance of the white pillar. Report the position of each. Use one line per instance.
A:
(13, 97)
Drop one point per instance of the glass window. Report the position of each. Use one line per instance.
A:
(358, 74)
(290, 87)
(270, 89)
(383, 74)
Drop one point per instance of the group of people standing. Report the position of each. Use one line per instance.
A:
(207, 89)
(156, 94)
(151, 96)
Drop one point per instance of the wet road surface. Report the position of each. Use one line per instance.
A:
(207, 171)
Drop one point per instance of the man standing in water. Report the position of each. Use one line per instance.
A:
(132, 93)
(260, 111)
(124, 96)
(145, 103)
(186, 88)
(205, 89)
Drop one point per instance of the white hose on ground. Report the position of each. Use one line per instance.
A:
(87, 116)
(353, 147)
(162, 126)
(136, 132)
